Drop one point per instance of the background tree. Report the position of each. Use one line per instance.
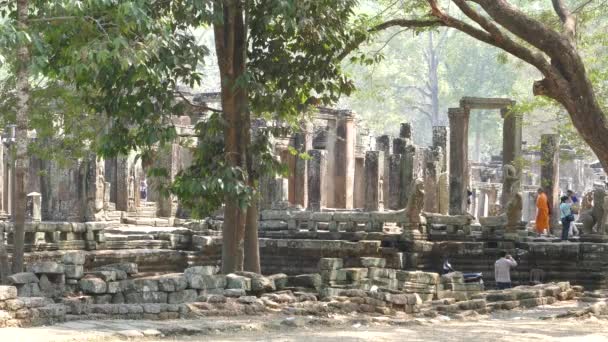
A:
(548, 43)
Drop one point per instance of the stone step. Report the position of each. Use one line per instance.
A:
(128, 237)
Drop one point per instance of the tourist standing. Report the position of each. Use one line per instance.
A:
(502, 270)
(575, 208)
(565, 216)
(542, 212)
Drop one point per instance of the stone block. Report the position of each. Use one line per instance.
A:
(106, 275)
(74, 258)
(234, 293)
(29, 290)
(74, 271)
(353, 274)
(22, 278)
(103, 299)
(184, 296)
(92, 285)
(201, 270)
(36, 302)
(234, 281)
(205, 282)
(376, 273)
(306, 280)
(45, 267)
(129, 268)
(262, 284)
(330, 264)
(279, 280)
(14, 304)
(145, 297)
(418, 277)
(8, 292)
(139, 284)
(373, 262)
(113, 287)
(172, 282)
(151, 308)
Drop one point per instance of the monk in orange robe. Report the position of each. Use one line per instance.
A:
(542, 212)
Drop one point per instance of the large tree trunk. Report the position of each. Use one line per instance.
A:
(252, 247)
(21, 157)
(231, 48)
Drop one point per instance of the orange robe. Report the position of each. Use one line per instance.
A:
(542, 216)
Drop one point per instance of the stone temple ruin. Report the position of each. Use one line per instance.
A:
(362, 212)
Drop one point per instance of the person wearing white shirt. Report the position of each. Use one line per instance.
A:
(502, 270)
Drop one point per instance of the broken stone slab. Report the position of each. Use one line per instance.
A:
(23, 278)
(92, 285)
(45, 267)
(109, 275)
(493, 221)
(8, 292)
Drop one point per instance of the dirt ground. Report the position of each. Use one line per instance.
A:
(516, 325)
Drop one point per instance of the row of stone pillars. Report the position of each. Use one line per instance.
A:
(459, 145)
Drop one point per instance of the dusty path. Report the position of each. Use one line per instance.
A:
(516, 325)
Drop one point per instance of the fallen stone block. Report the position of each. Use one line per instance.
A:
(353, 274)
(145, 297)
(74, 271)
(234, 281)
(23, 278)
(45, 267)
(29, 290)
(279, 280)
(92, 285)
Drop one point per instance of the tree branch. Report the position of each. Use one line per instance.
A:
(202, 106)
(407, 23)
(567, 18)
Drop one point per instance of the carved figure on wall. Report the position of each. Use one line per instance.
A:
(511, 183)
(415, 202)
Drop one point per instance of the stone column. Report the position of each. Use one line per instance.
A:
(549, 173)
(411, 169)
(374, 171)
(459, 156)
(359, 191)
(440, 139)
(316, 169)
(303, 143)
(344, 178)
(511, 144)
(405, 131)
(481, 202)
(36, 201)
(122, 183)
(432, 170)
(170, 160)
(395, 179)
(511, 137)
(94, 189)
(330, 147)
(383, 144)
